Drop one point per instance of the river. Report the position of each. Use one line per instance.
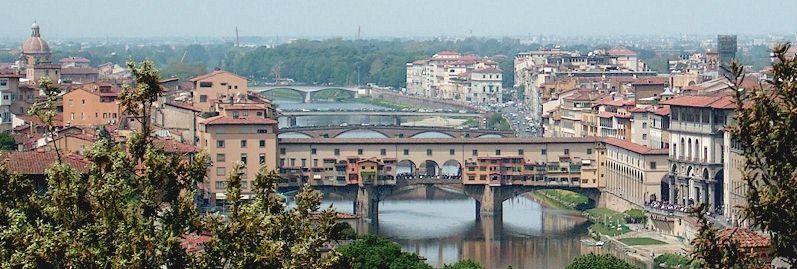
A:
(445, 229)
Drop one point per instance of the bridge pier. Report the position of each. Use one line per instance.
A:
(308, 97)
(291, 121)
(397, 120)
(367, 202)
(489, 202)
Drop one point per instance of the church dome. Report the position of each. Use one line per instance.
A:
(35, 43)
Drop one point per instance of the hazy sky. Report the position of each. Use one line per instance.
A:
(150, 18)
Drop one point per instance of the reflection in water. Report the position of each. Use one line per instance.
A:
(446, 231)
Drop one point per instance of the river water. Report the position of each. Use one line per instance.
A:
(445, 229)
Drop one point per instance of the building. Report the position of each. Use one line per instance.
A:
(216, 85)
(9, 90)
(449, 75)
(697, 139)
(235, 138)
(726, 48)
(92, 104)
(37, 58)
(650, 126)
(633, 174)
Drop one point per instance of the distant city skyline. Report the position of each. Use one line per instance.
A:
(409, 18)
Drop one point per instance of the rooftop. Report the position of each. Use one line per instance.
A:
(717, 102)
(745, 237)
(634, 147)
(37, 162)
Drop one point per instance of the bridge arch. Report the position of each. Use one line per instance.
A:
(332, 94)
(452, 168)
(286, 91)
(432, 134)
(294, 135)
(429, 168)
(405, 168)
(362, 133)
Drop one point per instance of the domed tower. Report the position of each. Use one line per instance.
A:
(36, 53)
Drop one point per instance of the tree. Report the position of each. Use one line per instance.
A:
(134, 206)
(464, 264)
(7, 142)
(604, 261)
(766, 131)
(372, 251)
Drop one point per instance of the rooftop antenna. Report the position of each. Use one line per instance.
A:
(237, 40)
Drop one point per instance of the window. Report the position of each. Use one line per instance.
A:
(243, 158)
(520, 152)
(567, 151)
(262, 143)
(220, 144)
(644, 136)
(337, 152)
(475, 152)
(644, 125)
(261, 131)
(652, 165)
(543, 151)
(235, 114)
(203, 98)
(243, 184)
(313, 151)
(589, 151)
(220, 157)
(359, 151)
(262, 158)
(451, 152)
(304, 162)
(221, 171)
(282, 151)
(205, 84)
(383, 152)
(497, 152)
(293, 161)
(220, 184)
(406, 152)
(428, 152)
(243, 143)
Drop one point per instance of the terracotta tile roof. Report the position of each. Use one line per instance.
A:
(73, 60)
(651, 81)
(486, 71)
(447, 52)
(30, 119)
(634, 146)
(79, 71)
(605, 114)
(621, 51)
(170, 145)
(718, 102)
(211, 74)
(662, 111)
(745, 237)
(241, 120)
(193, 242)
(37, 162)
(617, 102)
(183, 105)
(506, 140)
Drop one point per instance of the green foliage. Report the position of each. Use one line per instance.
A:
(343, 231)
(635, 216)
(641, 241)
(339, 61)
(604, 261)
(134, 205)
(496, 121)
(465, 264)
(372, 251)
(607, 222)
(674, 261)
(7, 142)
(766, 131)
(566, 198)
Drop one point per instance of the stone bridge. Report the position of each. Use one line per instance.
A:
(389, 132)
(307, 91)
(489, 170)
(292, 115)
